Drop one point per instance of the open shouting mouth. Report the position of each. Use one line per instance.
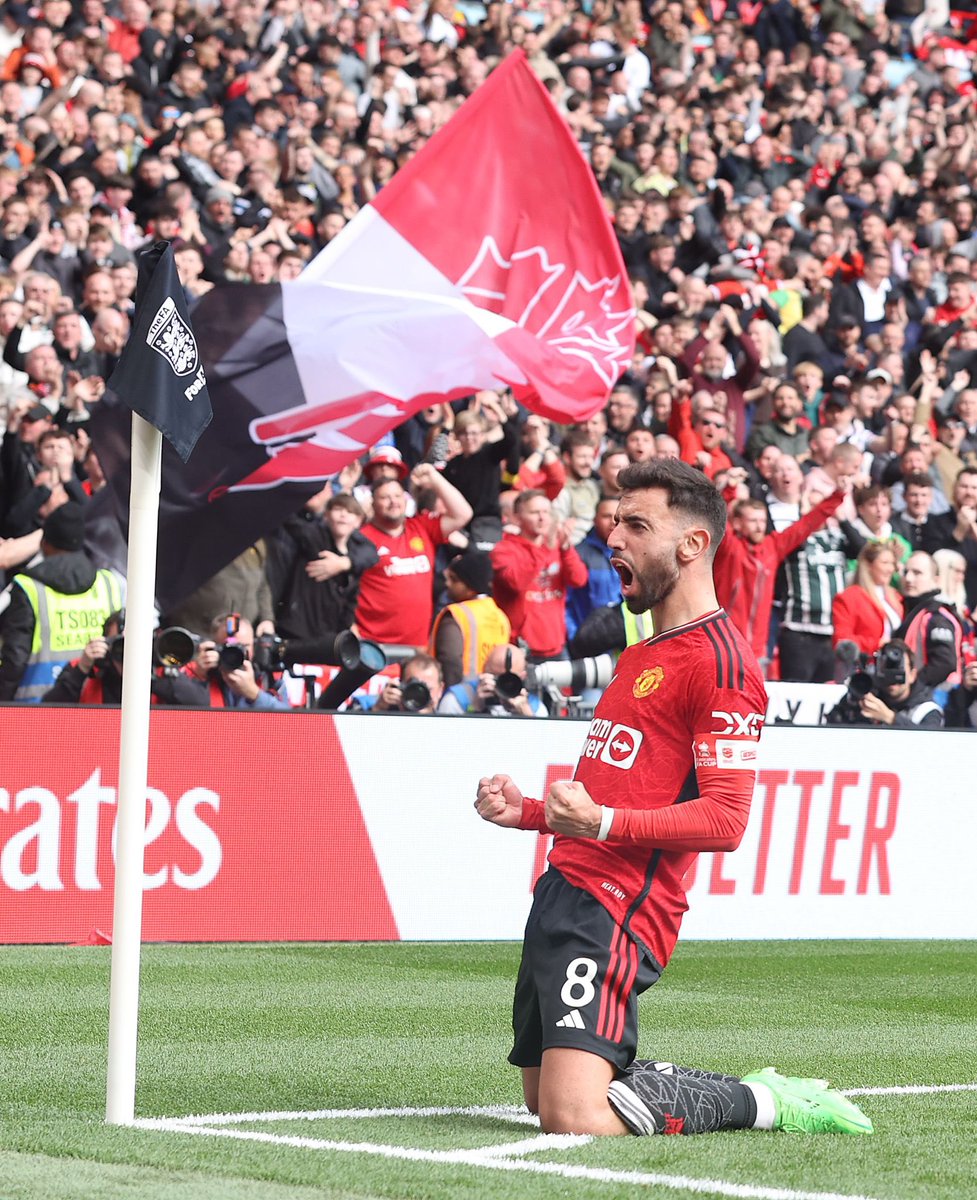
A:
(626, 575)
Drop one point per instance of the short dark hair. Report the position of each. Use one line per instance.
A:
(687, 488)
(812, 302)
(524, 498)
(423, 661)
(379, 483)
(55, 434)
(346, 501)
(863, 495)
(574, 438)
(117, 618)
(916, 479)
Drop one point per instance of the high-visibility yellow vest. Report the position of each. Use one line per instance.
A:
(638, 627)
(63, 626)
(483, 625)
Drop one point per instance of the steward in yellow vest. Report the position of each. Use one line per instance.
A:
(53, 609)
(607, 630)
(467, 628)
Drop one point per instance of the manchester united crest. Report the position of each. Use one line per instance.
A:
(648, 681)
(170, 336)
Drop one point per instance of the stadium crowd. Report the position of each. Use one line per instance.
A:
(792, 189)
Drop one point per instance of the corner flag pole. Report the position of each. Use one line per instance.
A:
(159, 376)
(133, 772)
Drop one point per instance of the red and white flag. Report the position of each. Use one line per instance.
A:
(488, 262)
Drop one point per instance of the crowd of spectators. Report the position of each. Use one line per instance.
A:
(792, 188)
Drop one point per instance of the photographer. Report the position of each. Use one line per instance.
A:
(225, 665)
(499, 691)
(418, 690)
(96, 677)
(889, 692)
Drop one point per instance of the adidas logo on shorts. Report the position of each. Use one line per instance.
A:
(573, 1020)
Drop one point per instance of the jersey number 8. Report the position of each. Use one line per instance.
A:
(578, 991)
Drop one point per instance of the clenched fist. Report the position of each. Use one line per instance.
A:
(499, 801)
(571, 811)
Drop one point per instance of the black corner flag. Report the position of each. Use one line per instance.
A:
(160, 375)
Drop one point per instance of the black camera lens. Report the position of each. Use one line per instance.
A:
(860, 684)
(174, 647)
(508, 685)
(415, 696)
(231, 657)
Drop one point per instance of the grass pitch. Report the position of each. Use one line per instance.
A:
(292, 1029)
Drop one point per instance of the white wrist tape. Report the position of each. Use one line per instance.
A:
(606, 821)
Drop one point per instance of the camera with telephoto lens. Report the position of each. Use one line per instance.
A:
(115, 654)
(578, 674)
(508, 685)
(273, 654)
(174, 647)
(231, 656)
(415, 696)
(872, 676)
(116, 651)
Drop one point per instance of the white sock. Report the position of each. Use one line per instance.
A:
(766, 1106)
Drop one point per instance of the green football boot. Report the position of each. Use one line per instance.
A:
(809, 1105)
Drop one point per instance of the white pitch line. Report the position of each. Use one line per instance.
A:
(544, 1141)
(912, 1089)
(507, 1112)
(502, 1157)
(483, 1158)
(533, 1145)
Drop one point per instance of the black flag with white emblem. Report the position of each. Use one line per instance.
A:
(160, 375)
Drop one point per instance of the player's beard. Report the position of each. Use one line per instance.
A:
(655, 585)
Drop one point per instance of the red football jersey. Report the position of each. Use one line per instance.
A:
(673, 743)
(396, 601)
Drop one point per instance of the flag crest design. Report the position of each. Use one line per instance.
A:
(151, 375)
(170, 336)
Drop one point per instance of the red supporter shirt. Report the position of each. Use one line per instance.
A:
(396, 602)
(530, 587)
(673, 745)
(946, 313)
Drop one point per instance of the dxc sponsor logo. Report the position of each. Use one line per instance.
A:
(739, 724)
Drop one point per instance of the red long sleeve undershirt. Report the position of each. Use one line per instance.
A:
(714, 821)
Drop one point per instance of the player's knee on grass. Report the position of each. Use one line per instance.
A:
(596, 1120)
(579, 1114)
(573, 1094)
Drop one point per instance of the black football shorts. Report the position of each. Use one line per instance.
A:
(579, 979)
